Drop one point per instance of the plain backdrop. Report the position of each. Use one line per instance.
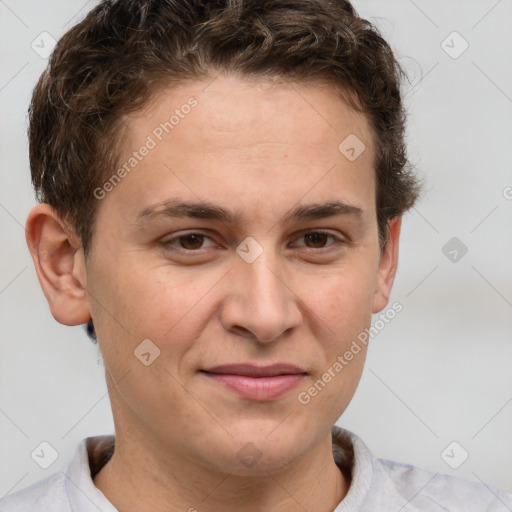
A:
(439, 373)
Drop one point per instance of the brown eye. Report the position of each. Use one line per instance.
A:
(316, 240)
(192, 241)
(319, 242)
(188, 243)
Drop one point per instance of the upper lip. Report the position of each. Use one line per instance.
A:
(250, 370)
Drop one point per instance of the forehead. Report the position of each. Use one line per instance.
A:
(248, 142)
(275, 111)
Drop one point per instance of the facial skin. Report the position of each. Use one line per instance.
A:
(258, 150)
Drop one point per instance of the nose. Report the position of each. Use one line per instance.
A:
(260, 302)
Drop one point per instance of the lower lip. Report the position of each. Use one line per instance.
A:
(258, 388)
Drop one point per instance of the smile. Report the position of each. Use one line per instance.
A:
(257, 383)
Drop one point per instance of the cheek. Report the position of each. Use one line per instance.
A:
(342, 300)
(159, 302)
(343, 303)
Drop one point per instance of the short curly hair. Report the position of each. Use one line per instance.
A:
(124, 51)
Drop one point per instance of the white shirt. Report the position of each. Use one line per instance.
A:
(377, 485)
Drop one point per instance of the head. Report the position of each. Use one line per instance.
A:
(220, 183)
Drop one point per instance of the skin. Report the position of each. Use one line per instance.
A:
(258, 149)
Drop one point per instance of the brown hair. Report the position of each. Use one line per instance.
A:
(112, 63)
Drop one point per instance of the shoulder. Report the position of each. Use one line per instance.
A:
(70, 490)
(382, 484)
(424, 490)
(48, 494)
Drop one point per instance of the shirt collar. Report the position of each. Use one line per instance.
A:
(351, 454)
(87, 459)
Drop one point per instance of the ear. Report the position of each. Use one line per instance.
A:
(387, 266)
(59, 263)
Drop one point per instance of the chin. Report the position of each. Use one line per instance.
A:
(261, 448)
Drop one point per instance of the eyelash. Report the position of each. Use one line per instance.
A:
(168, 244)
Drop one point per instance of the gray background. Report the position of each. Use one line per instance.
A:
(439, 372)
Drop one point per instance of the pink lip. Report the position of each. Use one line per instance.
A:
(256, 382)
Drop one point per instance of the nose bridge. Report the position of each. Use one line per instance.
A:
(265, 304)
(264, 281)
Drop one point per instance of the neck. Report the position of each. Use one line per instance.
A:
(138, 478)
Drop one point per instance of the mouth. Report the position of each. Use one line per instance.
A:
(259, 383)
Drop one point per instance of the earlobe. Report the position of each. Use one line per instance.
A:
(59, 263)
(387, 266)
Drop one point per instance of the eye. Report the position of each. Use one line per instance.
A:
(318, 239)
(194, 242)
(188, 242)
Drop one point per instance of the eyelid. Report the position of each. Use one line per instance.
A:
(337, 240)
(168, 242)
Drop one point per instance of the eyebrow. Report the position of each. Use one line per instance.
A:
(205, 210)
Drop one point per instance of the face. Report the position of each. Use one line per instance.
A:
(244, 237)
